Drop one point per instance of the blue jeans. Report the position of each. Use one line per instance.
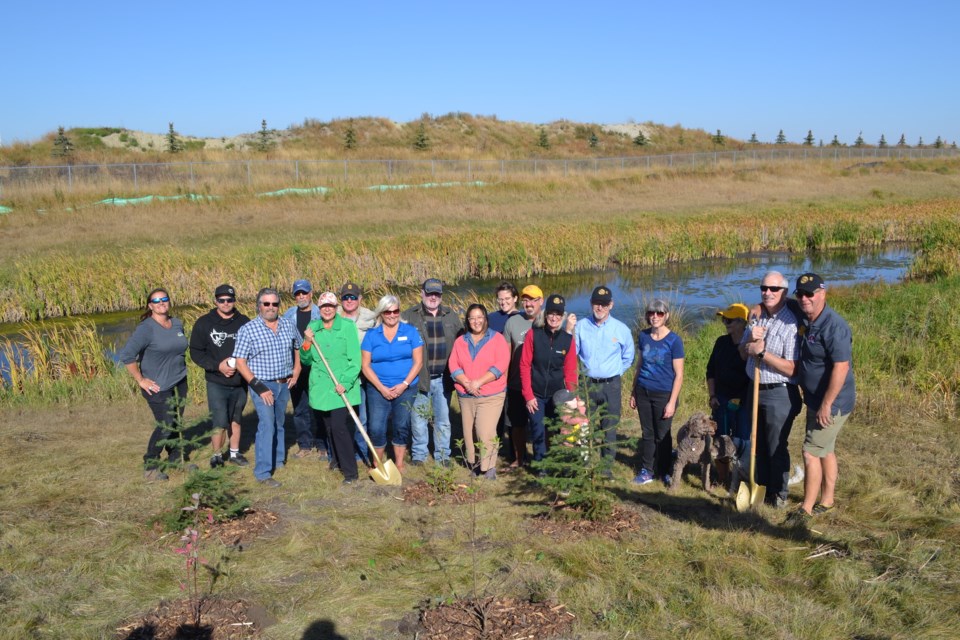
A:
(269, 449)
(440, 399)
(546, 410)
(303, 420)
(379, 410)
(359, 443)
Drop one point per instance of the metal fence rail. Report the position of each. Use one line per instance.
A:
(138, 177)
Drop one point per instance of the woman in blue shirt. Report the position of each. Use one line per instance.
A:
(390, 357)
(656, 392)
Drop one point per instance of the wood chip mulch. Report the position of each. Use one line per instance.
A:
(239, 532)
(495, 619)
(562, 523)
(423, 493)
(229, 619)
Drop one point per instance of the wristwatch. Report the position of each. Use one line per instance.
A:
(761, 354)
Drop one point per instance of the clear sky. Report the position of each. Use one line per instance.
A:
(218, 68)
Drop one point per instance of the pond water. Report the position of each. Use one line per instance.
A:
(698, 288)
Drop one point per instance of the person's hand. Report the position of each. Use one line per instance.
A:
(267, 397)
(308, 334)
(714, 402)
(340, 389)
(395, 391)
(226, 369)
(825, 415)
(669, 410)
(149, 386)
(472, 387)
(571, 323)
(754, 348)
(758, 333)
(292, 382)
(532, 405)
(633, 402)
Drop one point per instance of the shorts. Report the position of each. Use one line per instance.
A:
(226, 404)
(821, 441)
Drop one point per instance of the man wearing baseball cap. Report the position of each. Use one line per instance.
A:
(515, 331)
(825, 374)
(300, 315)
(351, 308)
(606, 349)
(438, 326)
(211, 347)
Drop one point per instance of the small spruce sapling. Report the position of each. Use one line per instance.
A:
(808, 141)
(62, 145)
(350, 137)
(265, 137)
(719, 139)
(182, 436)
(174, 144)
(640, 140)
(542, 140)
(781, 138)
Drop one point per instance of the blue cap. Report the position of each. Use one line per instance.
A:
(302, 285)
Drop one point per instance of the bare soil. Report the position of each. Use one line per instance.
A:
(495, 619)
(220, 619)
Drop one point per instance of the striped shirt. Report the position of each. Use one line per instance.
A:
(781, 340)
(269, 355)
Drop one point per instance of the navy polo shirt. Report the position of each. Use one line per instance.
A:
(826, 340)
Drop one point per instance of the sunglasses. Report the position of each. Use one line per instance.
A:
(659, 314)
(301, 293)
(765, 288)
(392, 312)
(433, 294)
(349, 298)
(159, 300)
(269, 304)
(226, 300)
(806, 294)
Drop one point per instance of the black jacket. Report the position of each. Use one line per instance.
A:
(211, 341)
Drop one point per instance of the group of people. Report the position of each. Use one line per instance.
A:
(394, 372)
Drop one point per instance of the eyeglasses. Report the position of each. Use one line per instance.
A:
(391, 312)
(806, 294)
(659, 314)
(348, 297)
(226, 300)
(159, 300)
(269, 304)
(433, 294)
(475, 319)
(301, 293)
(729, 320)
(765, 288)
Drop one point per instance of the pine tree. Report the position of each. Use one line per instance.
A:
(420, 140)
(954, 145)
(781, 139)
(264, 138)
(542, 140)
(920, 143)
(903, 140)
(350, 137)
(938, 143)
(753, 138)
(62, 145)
(594, 140)
(809, 139)
(719, 139)
(883, 142)
(859, 141)
(835, 142)
(174, 145)
(640, 140)
(681, 140)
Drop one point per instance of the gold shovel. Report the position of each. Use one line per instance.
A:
(752, 495)
(384, 471)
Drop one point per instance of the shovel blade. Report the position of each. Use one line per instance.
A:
(386, 473)
(750, 496)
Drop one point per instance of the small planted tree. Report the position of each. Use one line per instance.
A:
(681, 140)
(420, 140)
(753, 138)
(938, 143)
(264, 138)
(920, 144)
(594, 140)
(808, 141)
(781, 139)
(62, 145)
(719, 139)
(859, 141)
(174, 144)
(883, 142)
(835, 142)
(640, 140)
(542, 140)
(903, 140)
(350, 137)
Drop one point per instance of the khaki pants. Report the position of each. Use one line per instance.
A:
(481, 414)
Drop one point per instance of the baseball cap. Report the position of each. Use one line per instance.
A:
(302, 285)
(350, 289)
(327, 298)
(531, 291)
(224, 290)
(563, 396)
(555, 303)
(601, 295)
(809, 283)
(736, 311)
(432, 285)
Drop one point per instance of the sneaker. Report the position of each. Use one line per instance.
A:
(821, 509)
(644, 477)
(348, 481)
(216, 460)
(490, 474)
(155, 475)
(779, 503)
(269, 482)
(416, 463)
(304, 453)
(667, 479)
(239, 460)
(798, 517)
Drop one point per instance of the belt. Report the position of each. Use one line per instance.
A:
(603, 380)
(434, 377)
(287, 379)
(772, 385)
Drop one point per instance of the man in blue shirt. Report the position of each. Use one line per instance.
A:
(268, 358)
(606, 349)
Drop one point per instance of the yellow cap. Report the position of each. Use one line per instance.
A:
(531, 291)
(735, 311)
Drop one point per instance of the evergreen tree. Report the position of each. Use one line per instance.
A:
(640, 140)
(903, 140)
(859, 141)
(938, 143)
(753, 138)
(681, 140)
(264, 137)
(542, 140)
(809, 139)
(920, 143)
(420, 140)
(883, 142)
(954, 145)
(781, 139)
(835, 142)
(821, 142)
(174, 145)
(719, 139)
(350, 137)
(594, 140)
(62, 145)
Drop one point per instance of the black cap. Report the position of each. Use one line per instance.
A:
(601, 295)
(809, 283)
(350, 289)
(563, 396)
(432, 285)
(555, 303)
(224, 290)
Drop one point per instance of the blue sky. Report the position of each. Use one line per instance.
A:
(217, 68)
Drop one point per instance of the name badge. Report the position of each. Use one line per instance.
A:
(401, 339)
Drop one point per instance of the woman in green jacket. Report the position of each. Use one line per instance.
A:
(337, 339)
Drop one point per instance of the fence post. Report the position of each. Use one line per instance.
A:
(565, 167)
(191, 175)
(501, 169)
(469, 171)
(136, 186)
(534, 167)
(70, 177)
(249, 180)
(296, 167)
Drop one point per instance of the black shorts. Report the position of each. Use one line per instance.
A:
(226, 404)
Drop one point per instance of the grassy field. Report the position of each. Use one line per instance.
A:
(78, 553)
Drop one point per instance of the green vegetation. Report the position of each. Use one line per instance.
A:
(421, 142)
(62, 145)
(543, 141)
(174, 144)
(781, 138)
(265, 136)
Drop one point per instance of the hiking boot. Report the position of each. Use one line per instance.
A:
(270, 482)
(155, 475)
(644, 477)
(798, 517)
(216, 460)
(821, 509)
(490, 474)
(239, 460)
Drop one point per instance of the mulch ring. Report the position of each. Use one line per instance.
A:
(495, 618)
(239, 532)
(229, 619)
(424, 493)
(563, 523)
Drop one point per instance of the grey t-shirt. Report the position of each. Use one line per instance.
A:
(824, 341)
(161, 352)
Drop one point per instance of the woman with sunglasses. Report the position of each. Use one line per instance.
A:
(391, 355)
(155, 355)
(656, 392)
